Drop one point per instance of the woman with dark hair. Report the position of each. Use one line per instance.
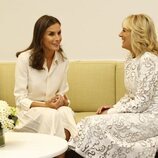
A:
(41, 83)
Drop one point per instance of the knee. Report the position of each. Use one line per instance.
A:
(64, 109)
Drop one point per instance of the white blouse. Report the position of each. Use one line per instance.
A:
(39, 85)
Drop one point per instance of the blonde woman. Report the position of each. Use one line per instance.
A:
(130, 128)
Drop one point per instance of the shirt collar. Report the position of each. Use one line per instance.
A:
(57, 58)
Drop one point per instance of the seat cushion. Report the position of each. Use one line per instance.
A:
(80, 115)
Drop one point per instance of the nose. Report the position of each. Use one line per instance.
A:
(57, 37)
(120, 34)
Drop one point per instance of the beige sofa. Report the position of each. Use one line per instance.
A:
(92, 84)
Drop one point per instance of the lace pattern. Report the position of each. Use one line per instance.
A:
(130, 129)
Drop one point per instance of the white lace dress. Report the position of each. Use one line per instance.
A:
(130, 128)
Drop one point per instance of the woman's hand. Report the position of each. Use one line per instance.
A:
(66, 100)
(58, 101)
(103, 109)
(55, 104)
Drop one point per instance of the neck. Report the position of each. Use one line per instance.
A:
(49, 55)
(49, 60)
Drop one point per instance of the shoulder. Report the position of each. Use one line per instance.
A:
(148, 57)
(24, 55)
(23, 58)
(148, 61)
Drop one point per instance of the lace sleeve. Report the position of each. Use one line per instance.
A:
(145, 82)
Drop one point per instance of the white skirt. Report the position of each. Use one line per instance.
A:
(47, 121)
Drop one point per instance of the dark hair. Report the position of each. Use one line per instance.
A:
(36, 59)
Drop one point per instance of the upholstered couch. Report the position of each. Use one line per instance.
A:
(92, 84)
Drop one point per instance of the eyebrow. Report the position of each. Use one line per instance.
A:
(53, 31)
(126, 29)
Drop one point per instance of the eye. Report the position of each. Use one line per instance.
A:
(59, 33)
(51, 33)
(124, 30)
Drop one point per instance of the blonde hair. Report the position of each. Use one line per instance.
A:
(143, 34)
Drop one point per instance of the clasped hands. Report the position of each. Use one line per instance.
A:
(57, 101)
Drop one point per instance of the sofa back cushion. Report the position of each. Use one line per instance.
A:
(7, 73)
(92, 84)
(120, 88)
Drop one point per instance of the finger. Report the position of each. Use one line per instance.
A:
(105, 108)
(101, 109)
(98, 111)
(65, 97)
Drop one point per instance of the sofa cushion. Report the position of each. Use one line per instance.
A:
(7, 70)
(120, 88)
(92, 84)
(80, 115)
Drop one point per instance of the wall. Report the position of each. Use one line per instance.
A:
(90, 28)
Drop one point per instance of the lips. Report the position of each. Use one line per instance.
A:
(56, 44)
(123, 40)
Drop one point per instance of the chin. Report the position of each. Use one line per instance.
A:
(123, 46)
(56, 49)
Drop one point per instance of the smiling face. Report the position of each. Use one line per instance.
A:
(52, 38)
(125, 34)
